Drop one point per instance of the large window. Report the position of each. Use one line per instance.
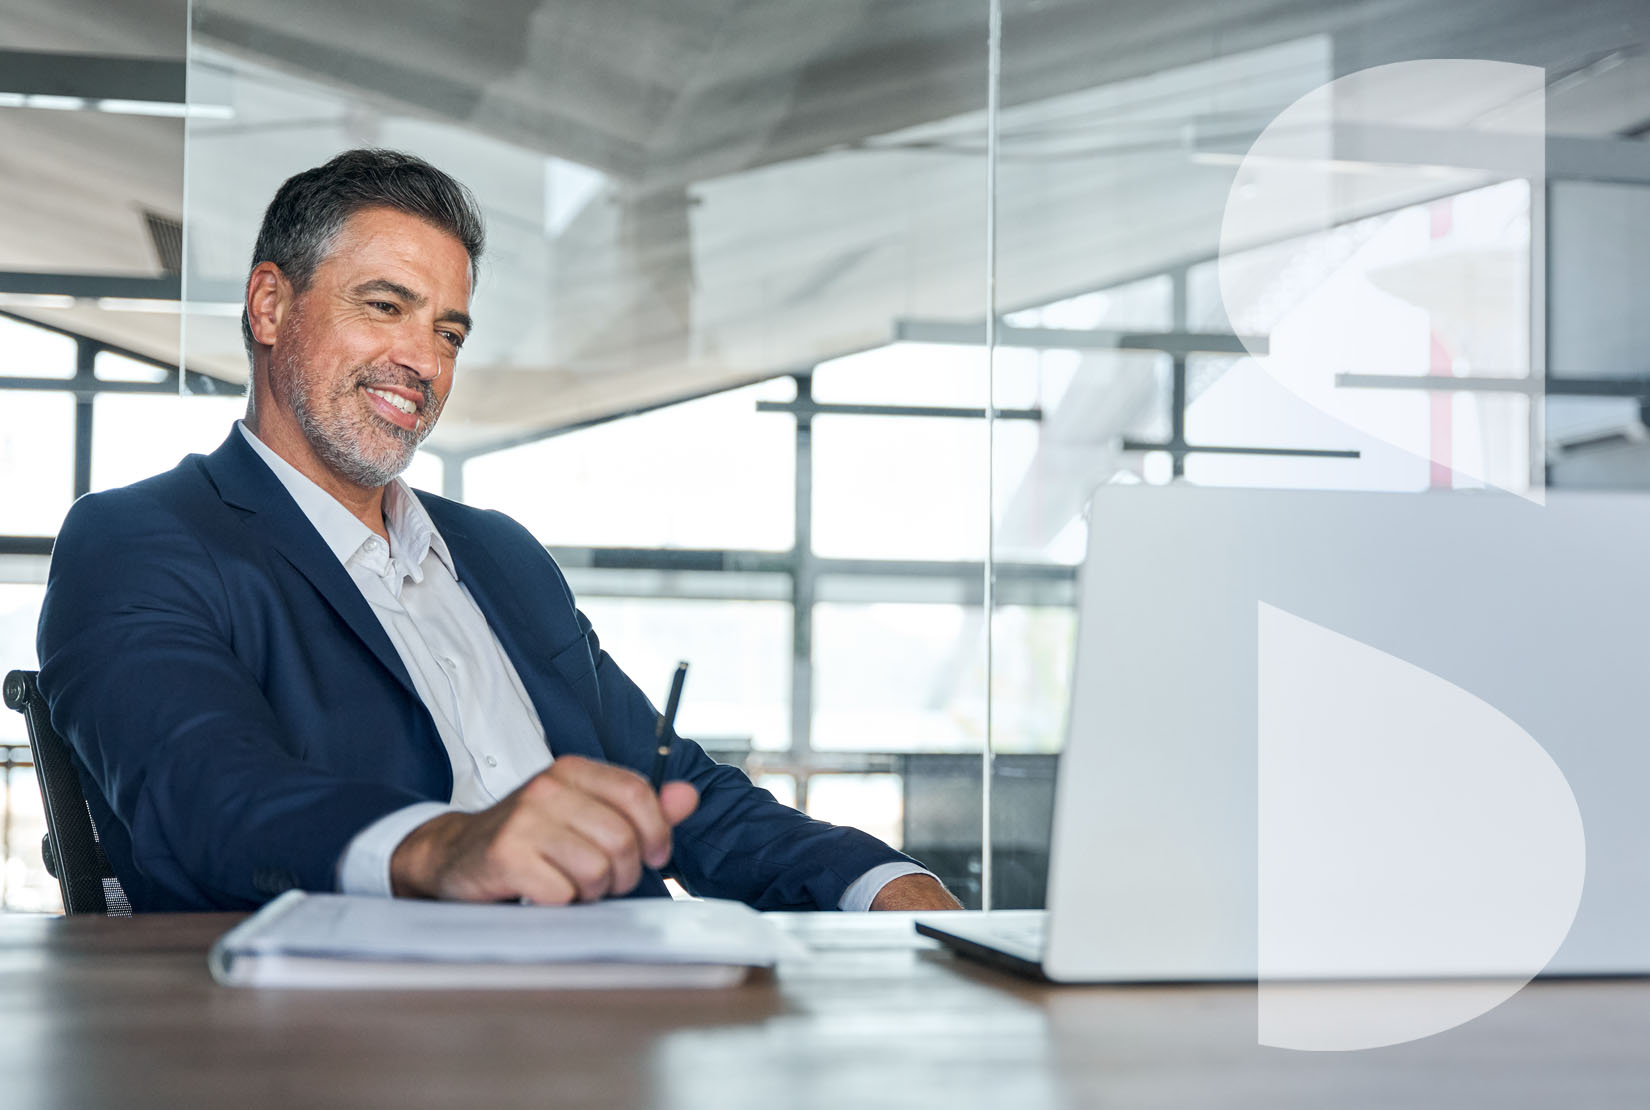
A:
(30, 352)
(738, 698)
(899, 489)
(137, 435)
(37, 458)
(708, 473)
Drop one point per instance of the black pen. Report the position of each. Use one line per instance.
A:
(665, 731)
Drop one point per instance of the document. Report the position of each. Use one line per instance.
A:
(341, 941)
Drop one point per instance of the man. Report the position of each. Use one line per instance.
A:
(279, 667)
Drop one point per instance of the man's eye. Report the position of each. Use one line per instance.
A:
(383, 306)
(454, 338)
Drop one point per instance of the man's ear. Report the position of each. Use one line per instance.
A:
(268, 299)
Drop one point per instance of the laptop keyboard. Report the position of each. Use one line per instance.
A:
(1029, 933)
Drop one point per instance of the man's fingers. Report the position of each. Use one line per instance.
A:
(604, 829)
(549, 865)
(552, 862)
(579, 831)
(678, 800)
(545, 885)
(625, 791)
(580, 861)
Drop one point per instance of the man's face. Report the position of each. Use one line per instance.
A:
(363, 360)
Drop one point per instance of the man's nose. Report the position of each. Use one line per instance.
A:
(421, 355)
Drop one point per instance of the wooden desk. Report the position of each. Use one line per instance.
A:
(98, 1012)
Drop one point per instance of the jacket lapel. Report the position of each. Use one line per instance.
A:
(562, 687)
(554, 665)
(246, 484)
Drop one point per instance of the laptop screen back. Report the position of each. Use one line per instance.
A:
(1432, 693)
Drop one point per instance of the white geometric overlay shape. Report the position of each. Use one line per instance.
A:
(1328, 251)
(1407, 829)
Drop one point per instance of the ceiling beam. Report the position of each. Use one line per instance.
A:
(125, 286)
(163, 287)
(92, 76)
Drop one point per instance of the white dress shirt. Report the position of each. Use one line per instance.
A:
(487, 723)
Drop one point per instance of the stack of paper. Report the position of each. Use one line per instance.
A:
(344, 941)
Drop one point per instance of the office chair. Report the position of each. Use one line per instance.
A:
(74, 857)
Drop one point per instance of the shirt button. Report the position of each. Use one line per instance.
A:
(491, 762)
(447, 662)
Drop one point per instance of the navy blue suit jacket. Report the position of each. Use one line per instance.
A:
(239, 713)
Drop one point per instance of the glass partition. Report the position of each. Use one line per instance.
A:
(1377, 265)
(698, 371)
(1244, 260)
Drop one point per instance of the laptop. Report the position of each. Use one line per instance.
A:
(1235, 642)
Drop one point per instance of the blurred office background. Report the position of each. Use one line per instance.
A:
(806, 329)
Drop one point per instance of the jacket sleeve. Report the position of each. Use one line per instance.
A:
(741, 843)
(138, 667)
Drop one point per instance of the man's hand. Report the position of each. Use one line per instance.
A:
(914, 892)
(577, 832)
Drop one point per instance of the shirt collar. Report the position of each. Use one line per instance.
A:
(413, 534)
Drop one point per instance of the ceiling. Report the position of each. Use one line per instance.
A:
(684, 195)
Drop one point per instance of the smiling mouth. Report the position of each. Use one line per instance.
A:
(402, 403)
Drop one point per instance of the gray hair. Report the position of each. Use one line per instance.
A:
(302, 223)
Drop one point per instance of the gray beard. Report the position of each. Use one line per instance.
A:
(339, 448)
(342, 454)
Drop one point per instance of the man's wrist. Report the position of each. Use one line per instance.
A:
(364, 866)
(415, 863)
(863, 891)
(915, 892)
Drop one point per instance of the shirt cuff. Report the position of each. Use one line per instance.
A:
(864, 890)
(364, 868)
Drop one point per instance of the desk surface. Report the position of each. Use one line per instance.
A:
(100, 1012)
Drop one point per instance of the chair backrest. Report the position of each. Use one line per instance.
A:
(73, 853)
